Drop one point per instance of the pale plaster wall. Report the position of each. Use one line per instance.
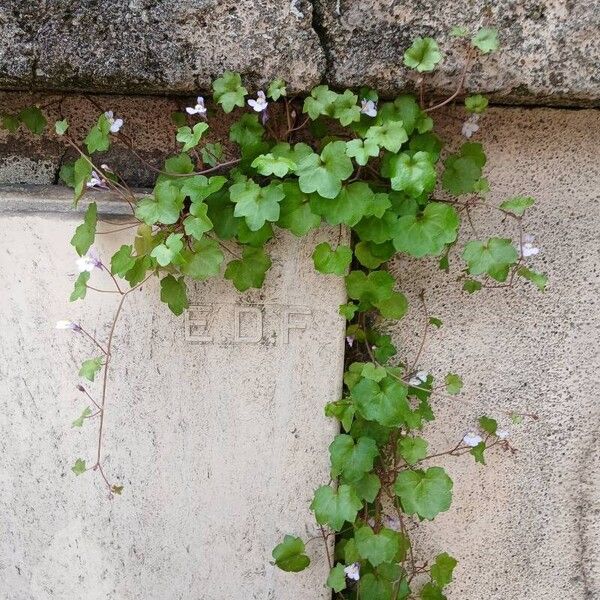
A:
(526, 526)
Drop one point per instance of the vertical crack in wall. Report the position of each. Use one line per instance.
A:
(318, 9)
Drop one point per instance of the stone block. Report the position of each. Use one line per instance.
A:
(214, 424)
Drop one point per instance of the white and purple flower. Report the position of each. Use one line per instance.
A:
(198, 109)
(368, 107)
(528, 249)
(470, 126)
(89, 261)
(96, 181)
(352, 571)
(419, 378)
(115, 124)
(260, 104)
(472, 440)
(68, 325)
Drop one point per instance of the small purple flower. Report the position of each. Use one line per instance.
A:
(198, 109)
(68, 325)
(89, 262)
(96, 181)
(418, 378)
(368, 107)
(470, 126)
(528, 249)
(353, 571)
(350, 340)
(115, 124)
(392, 523)
(502, 434)
(472, 439)
(260, 104)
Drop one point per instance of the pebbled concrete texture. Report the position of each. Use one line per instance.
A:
(155, 45)
(526, 525)
(550, 49)
(219, 443)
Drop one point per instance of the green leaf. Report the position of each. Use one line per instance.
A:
(412, 449)
(377, 548)
(472, 286)
(257, 204)
(538, 279)
(173, 292)
(122, 261)
(164, 207)
(98, 139)
(494, 257)
(348, 310)
(250, 271)
(60, 127)
(442, 569)
(82, 173)
(427, 234)
(453, 383)
(289, 555)
(196, 226)
(345, 108)
(199, 187)
(85, 233)
(374, 587)
(267, 164)
(367, 487)
(337, 578)
(79, 467)
(425, 493)
(343, 411)
(351, 460)
(423, 55)
(89, 368)
(476, 104)
(435, 322)
(324, 174)
(362, 150)
(384, 402)
(383, 348)
(229, 91)
(334, 508)
(295, 213)
(463, 169)
(205, 260)
(517, 205)
(327, 260)
(9, 122)
(412, 174)
(478, 453)
(80, 287)
(276, 89)
(247, 132)
(169, 252)
(181, 164)
(211, 154)
(373, 255)
(78, 422)
(369, 289)
(373, 372)
(391, 135)
(190, 137)
(431, 591)
(354, 201)
(137, 273)
(33, 119)
(488, 425)
(320, 102)
(394, 307)
(486, 39)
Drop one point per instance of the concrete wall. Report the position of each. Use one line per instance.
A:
(526, 526)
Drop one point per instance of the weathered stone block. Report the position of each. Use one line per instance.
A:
(549, 51)
(214, 424)
(159, 46)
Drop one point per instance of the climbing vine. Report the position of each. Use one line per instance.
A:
(345, 159)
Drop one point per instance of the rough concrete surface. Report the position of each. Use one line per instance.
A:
(219, 443)
(155, 45)
(527, 525)
(550, 51)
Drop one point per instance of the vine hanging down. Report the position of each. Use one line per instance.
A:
(346, 159)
